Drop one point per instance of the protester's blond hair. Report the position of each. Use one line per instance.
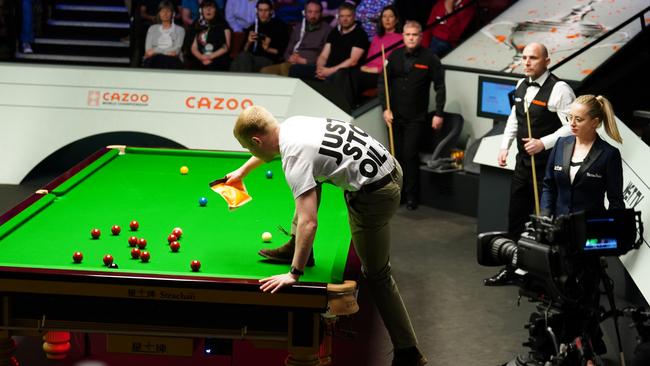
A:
(600, 107)
(252, 121)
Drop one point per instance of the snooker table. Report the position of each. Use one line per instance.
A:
(44, 290)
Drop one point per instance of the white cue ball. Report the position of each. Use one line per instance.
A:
(266, 237)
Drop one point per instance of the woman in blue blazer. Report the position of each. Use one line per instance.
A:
(582, 168)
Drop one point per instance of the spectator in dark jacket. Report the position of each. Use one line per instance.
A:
(266, 41)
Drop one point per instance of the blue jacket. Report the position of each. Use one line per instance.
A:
(601, 173)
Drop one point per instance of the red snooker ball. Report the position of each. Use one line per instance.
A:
(108, 259)
(174, 246)
(134, 225)
(133, 241)
(177, 232)
(77, 257)
(116, 230)
(171, 238)
(142, 243)
(135, 253)
(145, 256)
(195, 265)
(95, 233)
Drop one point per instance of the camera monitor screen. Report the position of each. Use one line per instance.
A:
(609, 232)
(495, 97)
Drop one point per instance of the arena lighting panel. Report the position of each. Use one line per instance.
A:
(564, 27)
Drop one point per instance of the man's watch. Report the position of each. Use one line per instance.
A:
(296, 271)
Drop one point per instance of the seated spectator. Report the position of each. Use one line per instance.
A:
(389, 35)
(368, 14)
(145, 16)
(306, 41)
(266, 41)
(240, 14)
(164, 40)
(444, 36)
(190, 11)
(212, 41)
(345, 48)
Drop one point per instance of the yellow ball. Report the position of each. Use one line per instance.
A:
(184, 170)
(266, 237)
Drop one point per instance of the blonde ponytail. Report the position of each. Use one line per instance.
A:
(609, 119)
(599, 107)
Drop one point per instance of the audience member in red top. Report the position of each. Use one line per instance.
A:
(444, 36)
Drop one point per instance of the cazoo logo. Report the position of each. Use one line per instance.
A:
(216, 103)
(97, 98)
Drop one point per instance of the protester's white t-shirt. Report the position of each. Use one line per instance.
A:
(315, 150)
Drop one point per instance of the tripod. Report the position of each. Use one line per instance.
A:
(567, 332)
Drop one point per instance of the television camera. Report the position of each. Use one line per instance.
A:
(560, 265)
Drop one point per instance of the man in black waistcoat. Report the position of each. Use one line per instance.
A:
(410, 71)
(548, 100)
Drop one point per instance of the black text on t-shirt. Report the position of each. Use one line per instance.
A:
(345, 139)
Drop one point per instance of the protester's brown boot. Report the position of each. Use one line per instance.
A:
(284, 254)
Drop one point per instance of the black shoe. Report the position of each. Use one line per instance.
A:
(411, 205)
(284, 254)
(506, 276)
(408, 357)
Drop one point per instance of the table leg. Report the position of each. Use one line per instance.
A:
(326, 345)
(56, 345)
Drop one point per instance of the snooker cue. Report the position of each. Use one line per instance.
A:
(390, 126)
(532, 162)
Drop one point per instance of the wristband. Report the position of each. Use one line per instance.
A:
(296, 271)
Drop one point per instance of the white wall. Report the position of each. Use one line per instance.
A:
(44, 108)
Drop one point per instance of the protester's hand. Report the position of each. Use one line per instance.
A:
(235, 176)
(533, 146)
(388, 117)
(274, 283)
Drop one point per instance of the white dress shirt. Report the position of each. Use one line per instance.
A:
(559, 101)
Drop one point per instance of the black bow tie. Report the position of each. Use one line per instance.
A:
(531, 83)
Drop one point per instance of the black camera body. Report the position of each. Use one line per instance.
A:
(557, 252)
(603, 233)
(561, 259)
